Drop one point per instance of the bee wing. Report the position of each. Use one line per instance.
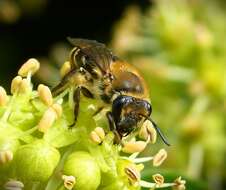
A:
(95, 51)
(101, 56)
(83, 43)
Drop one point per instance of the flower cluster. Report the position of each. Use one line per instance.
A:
(39, 150)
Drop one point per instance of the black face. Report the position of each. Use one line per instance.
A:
(127, 111)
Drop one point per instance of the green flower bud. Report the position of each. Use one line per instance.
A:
(84, 168)
(36, 161)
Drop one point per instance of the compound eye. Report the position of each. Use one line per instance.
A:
(149, 107)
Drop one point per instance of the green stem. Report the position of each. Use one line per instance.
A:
(29, 77)
(195, 164)
(8, 109)
(54, 182)
(138, 160)
(144, 159)
(154, 185)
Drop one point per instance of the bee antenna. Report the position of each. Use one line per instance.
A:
(158, 130)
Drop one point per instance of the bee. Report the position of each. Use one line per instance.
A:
(97, 73)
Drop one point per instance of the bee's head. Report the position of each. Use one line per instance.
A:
(128, 111)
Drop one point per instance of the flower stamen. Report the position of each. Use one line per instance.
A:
(69, 182)
(14, 185)
(45, 95)
(29, 68)
(3, 97)
(65, 68)
(133, 175)
(97, 135)
(159, 157)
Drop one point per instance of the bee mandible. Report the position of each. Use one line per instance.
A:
(97, 73)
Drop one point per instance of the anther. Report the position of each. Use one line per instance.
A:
(6, 156)
(97, 135)
(133, 175)
(69, 182)
(15, 85)
(132, 147)
(31, 66)
(45, 95)
(159, 157)
(65, 68)
(179, 184)
(14, 185)
(100, 132)
(158, 179)
(147, 131)
(58, 109)
(95, 138)
(24, 86)
(47, 120)
(3, 97)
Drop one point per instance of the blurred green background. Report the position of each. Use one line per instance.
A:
(178, 45)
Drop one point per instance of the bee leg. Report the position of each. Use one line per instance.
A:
(64, 84)
(113, 128)
(86, 92)
(98, 110)
(58, 89)
(76, 98)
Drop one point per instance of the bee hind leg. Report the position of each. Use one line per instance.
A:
(58, 89)
(64, 83)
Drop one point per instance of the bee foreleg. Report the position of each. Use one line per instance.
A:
(113, 127)
(98, 110)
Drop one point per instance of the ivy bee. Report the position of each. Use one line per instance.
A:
(97, 73)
